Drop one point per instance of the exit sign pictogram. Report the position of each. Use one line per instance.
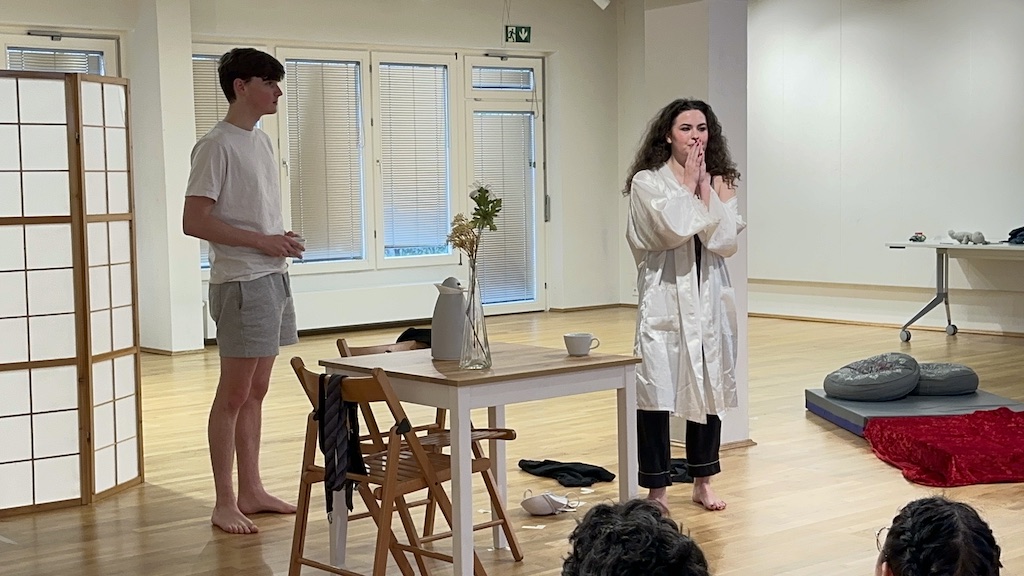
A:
(517, 34)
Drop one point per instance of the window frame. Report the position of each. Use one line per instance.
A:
(535, 64)
(540, 265)
(458, 201)
(370, 257)
(109, 47)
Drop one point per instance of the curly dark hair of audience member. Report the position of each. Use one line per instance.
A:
(939, 537)
(655, 149)
(631, 538)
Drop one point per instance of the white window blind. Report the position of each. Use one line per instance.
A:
(210, 108)
(415, 158)
(493, 78)
(46, 60)
(325, 143)
(210, 103)
(503, 151)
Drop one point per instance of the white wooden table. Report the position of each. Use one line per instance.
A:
(943, 252)
(520, 373)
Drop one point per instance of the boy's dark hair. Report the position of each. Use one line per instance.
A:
(939, 536)
(631, 538)
(246, 63)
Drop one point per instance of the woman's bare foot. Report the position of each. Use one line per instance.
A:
(659, 497)
(263, 502)
(231, 520)
(705, 496)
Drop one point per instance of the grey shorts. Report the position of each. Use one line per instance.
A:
(254, 318)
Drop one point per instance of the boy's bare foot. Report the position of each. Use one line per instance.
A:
(231, 520)
(264, 502)
(705, 496)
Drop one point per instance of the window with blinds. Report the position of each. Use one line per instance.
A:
(326, 147)
(46, 60)
(503, 152)
(210, 108)
(414, 158)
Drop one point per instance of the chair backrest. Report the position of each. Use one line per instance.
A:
(345, 350)
(364, 390)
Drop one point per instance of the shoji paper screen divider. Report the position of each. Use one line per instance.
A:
(70, 419)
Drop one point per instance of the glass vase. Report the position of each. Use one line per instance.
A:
(476, 350)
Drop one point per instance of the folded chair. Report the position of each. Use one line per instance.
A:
(438, 437)
(402, 467)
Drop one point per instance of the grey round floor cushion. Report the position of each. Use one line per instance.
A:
(944, 379)
(877, 379)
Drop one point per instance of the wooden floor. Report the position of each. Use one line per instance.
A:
(806, 500)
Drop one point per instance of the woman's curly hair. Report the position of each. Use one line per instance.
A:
(655, 149)
(936, 536)
(631, 538)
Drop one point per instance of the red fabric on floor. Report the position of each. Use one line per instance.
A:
(980, 448)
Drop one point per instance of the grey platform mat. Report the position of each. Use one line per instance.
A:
(853, 415)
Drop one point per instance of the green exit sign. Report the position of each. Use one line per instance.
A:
(519, 34)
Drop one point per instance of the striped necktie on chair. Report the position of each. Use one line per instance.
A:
(339, 439)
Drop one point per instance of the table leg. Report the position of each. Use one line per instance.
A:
(628, 466)
(496, 452)
(462, 483)
(941, 289)
(338, 530)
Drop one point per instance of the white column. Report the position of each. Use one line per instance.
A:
(699, 50)
(159, 64)
(633, 114)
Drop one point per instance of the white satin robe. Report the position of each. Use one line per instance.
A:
(676, 318)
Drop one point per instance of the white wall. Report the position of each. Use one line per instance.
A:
(81, 14)
(871, 120)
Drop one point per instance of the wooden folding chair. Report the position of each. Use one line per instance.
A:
(438, 437)
(401, 468)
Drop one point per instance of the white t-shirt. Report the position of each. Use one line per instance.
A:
(236, 168)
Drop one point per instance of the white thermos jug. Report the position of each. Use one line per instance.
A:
(448, 321)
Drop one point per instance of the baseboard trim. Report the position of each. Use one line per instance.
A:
(596, 307)
(894, 326)
(172, 352)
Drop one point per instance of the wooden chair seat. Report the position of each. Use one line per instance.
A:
(442, 438)
(410, 474)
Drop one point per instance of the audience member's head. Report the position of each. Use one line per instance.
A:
(938, 537)
(631, 538)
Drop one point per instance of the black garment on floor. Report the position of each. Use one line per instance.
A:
(680, 473)
(567, 473)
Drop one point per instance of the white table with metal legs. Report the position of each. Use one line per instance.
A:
(943, 252)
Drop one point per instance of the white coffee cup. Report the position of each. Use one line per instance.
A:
(580, 343)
